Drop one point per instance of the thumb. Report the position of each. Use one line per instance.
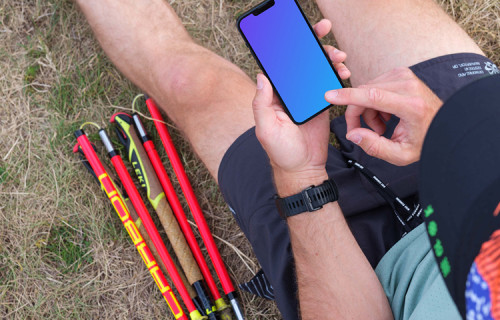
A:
(263, 111)
(378, 146)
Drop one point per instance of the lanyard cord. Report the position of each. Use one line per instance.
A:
(409, 218)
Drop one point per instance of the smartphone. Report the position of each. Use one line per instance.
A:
(290, 55)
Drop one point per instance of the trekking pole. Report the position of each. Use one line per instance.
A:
(135, 218)
(146, 174)
(116, 200)
(136, 199)
(222, 307)
(206, 235)
(178, 210)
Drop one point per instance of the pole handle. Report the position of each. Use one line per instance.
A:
(178, 242)
(138, 157)
(148, 180)
(142, 230)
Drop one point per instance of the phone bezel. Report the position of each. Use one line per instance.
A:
(259, 6)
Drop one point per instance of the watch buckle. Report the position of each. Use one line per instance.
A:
(308, 200)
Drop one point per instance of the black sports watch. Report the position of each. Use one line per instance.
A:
(310, 199)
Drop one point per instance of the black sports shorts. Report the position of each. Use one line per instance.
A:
(247, 186)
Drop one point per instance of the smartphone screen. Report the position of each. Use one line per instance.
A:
(289, 53)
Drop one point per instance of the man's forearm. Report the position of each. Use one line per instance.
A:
(334, 278)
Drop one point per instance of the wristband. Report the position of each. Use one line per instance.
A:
(311, 199)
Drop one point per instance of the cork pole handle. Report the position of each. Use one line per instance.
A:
(152, 248)
(148, 179)
(178, 242)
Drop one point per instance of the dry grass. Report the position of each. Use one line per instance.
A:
(63, 253)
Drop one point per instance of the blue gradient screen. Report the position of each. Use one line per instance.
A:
(291, 57)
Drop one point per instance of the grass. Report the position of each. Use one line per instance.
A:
(68, 248)
(3, 174)
(63, 252)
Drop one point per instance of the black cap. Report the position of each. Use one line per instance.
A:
(460, 194)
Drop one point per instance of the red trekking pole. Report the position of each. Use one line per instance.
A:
(118, 203)
(133, 215)
(141, 209)
(176, 206)
(188, 252)
(199, 218)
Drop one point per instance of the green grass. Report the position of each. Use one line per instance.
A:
(31, 73)
(68, 249)
(75, 91)
(3, 175)
(64, 133)
(6, 270)
(36, 53)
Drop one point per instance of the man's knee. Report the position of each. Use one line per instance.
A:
(191, 76)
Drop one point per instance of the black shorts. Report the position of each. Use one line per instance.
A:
(247, 186)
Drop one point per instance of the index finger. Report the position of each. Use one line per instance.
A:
(374, 98)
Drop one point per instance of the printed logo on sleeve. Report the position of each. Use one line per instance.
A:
(469, 69)
(491, 68)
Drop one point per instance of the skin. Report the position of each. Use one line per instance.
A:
(210, 100)
(343, 282)
(399, 93)
(381, 35)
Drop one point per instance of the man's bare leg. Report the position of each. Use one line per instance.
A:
(207, 97)
(380, 35)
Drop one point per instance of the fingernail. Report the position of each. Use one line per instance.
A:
(330, 95)
(260, 83)
(355, 138)
(335, 51)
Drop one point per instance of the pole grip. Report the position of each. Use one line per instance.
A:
(148, 179)
(138, 222)
(152, 248)
(142, 230)
(179, 213)
(178, 242)
(138, 157)
(150, 227)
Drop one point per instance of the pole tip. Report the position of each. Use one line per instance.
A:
(236, 309)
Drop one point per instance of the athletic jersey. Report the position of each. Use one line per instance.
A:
(412, 282)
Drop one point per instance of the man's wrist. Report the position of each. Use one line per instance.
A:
(290, 183)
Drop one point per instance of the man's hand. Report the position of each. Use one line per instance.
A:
(297, 153)
(400, 93)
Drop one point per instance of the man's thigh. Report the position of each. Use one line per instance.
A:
(380, 35)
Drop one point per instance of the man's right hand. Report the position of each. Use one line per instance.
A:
(400, 93)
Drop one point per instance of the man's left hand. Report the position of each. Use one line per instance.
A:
(296, 152)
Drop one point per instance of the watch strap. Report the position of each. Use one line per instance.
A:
(311, 199)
